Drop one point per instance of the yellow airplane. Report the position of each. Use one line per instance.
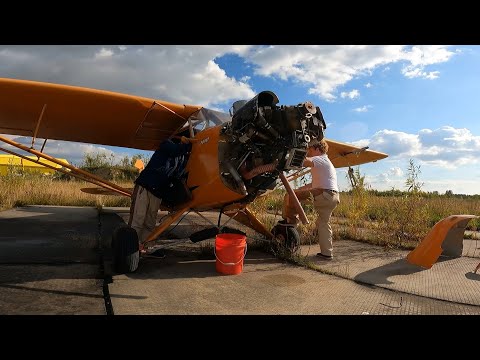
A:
(8, 162)
(235, 157)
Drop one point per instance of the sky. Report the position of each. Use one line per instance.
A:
(413, 102)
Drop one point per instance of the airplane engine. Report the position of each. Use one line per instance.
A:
(263, 139)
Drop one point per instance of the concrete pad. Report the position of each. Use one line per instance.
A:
(50, 261)
(50, 264)
(183, 284)
(49, 234)
(186, 282)
(51, 290)
(471, 248)
(450, 279)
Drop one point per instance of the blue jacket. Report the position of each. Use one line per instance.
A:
(168, 161)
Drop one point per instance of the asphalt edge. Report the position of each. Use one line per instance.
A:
(106, 224)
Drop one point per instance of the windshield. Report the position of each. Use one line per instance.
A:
(206, 118)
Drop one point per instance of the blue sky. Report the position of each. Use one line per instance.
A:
(412, 102)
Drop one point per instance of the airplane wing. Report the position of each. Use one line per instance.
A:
(343, 155)
(53, 111)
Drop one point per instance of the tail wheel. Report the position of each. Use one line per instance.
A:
(125, 249)
(287, 235)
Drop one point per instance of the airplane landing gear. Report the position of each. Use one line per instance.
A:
(287, 234)
(125, 249)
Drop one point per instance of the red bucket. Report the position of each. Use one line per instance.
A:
(230, 250)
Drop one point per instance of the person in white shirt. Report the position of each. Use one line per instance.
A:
(323, 189)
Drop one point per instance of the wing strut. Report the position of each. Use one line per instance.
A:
(74, 171)
(170, 219)
(173, 112)
(38, 124)
(298, 174)
(355, 152)
(351, 177)
(294, 199)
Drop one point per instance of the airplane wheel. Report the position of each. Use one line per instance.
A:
(125, 249)
(288, 235)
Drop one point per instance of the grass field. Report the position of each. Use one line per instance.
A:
(395, 221)
(44, 190)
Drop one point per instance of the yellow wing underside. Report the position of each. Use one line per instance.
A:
(343, 155)
(53, 111)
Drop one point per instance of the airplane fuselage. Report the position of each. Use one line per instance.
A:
(203, 167)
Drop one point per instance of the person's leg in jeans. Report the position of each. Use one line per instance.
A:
(324, 204)
(143, 212)
(138, 209)
(150, 216)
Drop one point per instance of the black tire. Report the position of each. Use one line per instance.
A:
(125, 250)
(288, 236)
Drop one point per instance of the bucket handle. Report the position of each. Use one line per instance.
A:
(230, 264)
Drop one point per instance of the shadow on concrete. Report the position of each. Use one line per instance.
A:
(49, 291)
(53, 256)
(380, 275)
(184, 260)
(49, 235)
(190, 264)
(41, 243)
(472, 276)
(67, 293)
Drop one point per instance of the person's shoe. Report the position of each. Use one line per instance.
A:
(327, 257)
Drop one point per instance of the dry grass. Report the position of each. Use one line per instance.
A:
(42, 190)
(395, 221)
(392, 221)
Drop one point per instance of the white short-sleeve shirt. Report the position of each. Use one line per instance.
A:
(324, 174)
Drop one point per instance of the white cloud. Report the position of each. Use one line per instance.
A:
(445, 147)
(422, 56)
(458, 186)
(368, 85)
(185, 74)
(352, 94)
(432, 182)
(384, 181)
(325, 68)
(362, 108)
(411, 72)
(383, 177)
(189, 73)
(103, 53)
(15, 57)
(395, 171)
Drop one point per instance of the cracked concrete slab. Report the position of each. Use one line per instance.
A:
(450, 279)
(49, 261)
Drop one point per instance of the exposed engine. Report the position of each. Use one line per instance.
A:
(263, 139)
